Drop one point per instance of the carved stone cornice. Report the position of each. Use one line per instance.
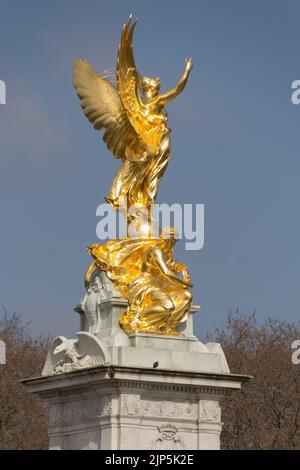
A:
(110, 379)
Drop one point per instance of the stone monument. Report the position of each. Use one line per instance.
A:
(135, 376)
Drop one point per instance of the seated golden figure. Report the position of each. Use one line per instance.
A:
(147, 275)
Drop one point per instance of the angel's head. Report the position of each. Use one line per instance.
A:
(150, 86)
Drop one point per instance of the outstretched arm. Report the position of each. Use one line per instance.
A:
(170, 95)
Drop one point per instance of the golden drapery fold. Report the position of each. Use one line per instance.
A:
(138, 181)
(157, 302)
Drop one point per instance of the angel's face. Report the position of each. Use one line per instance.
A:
(150, 86)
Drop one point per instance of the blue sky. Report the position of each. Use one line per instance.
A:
(235, 148)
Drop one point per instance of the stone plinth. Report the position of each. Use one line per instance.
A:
(115, 407)
(108, 390)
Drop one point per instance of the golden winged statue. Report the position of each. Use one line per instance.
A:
(134, 119)
(141, 266)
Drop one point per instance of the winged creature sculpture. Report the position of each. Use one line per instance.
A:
(134, 119)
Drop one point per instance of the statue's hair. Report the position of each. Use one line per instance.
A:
(145, 81)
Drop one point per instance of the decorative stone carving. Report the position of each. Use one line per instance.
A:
(77, 411)
(54, 415)
(134, 405)
(73, 412)
(101, 290)
(66, 355)
(167, 408)
(167, 439)
(106, 406)
(90, 303)
(131, 405)
(210, 411)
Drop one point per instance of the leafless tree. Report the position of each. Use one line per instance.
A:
(23, 420)
(265, 414)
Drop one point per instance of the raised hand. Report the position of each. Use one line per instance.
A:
(189, 64)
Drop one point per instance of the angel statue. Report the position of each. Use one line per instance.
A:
(134, 119)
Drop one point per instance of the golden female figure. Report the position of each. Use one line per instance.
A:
(146, 274)
(134, 119)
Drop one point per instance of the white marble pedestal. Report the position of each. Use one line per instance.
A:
(107, 390)
(111, 407)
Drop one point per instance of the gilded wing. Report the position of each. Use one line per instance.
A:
(150, 128)
(103, 108)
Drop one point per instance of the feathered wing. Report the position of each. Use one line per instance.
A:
(102, 106)
(149, 130)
